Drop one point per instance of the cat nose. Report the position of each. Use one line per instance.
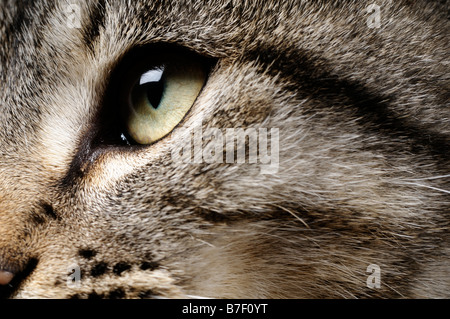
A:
(5, 277)
(13, 262)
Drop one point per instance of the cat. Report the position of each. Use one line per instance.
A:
(122, 124)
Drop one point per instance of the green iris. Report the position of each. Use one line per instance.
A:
(161, 96)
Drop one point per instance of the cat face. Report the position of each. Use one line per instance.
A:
(220, 149)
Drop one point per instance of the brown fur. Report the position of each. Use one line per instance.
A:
(363, 179)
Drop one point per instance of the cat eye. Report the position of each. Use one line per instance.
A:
(160, 95)
(151, 93)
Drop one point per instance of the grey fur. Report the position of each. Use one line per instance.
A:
(364, 171)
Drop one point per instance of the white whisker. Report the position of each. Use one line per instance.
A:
(428, 178)
(197, 297)
(431, 187)
(293, 214)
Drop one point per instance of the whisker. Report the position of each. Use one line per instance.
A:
(428, 178)
(197, 297)
(431, 187)
(293, 214)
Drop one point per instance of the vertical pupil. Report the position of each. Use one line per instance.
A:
(154, 93)
(153, 84)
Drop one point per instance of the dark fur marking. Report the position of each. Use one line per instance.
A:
(96, 20)
(213, 217)
(36, 219)
(310, 74)
(149, 265)
(39, 218)
(145, 294)
(87, 253)
(99, 269)
(58, 282)
(29, 16)
(49, 211)
(94, 295)
(117, 293)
